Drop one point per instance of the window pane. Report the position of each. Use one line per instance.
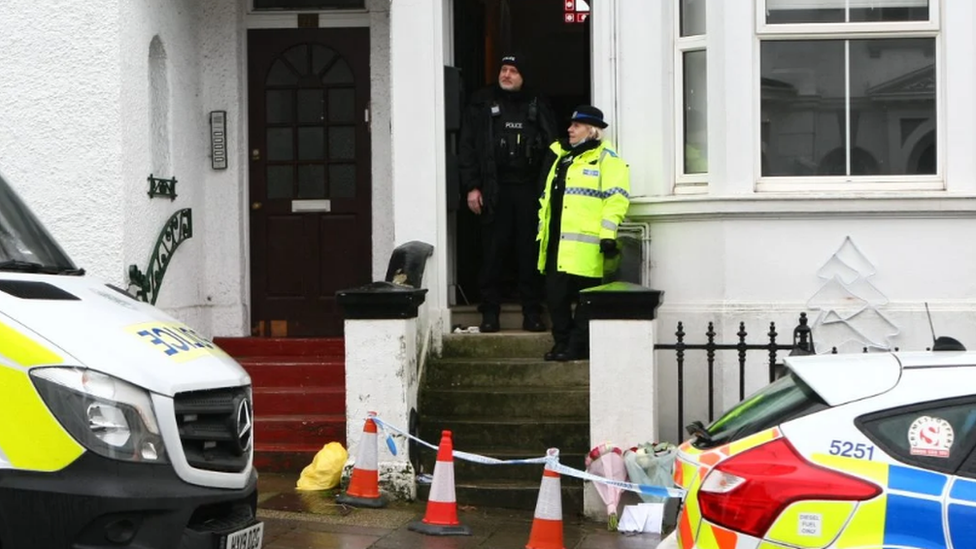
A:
(280, 181)
(339, 73)
(342, 105)
(280, 145)
(695, 113)
(803, 105)
(311, 143)
(342, 143)
(311, 181)
(308, 4)
(310, 107)
(893, 107)
(280, 106)
(692, 17)
(835, 11)
(342, 181)
(933, 437)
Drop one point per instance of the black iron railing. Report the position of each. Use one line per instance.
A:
(802, 345)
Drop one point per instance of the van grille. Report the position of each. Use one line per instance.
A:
(216, 428)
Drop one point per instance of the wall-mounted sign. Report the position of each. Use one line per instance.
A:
(576, 11)
(218, 140)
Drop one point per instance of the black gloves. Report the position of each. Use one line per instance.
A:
(608, 247)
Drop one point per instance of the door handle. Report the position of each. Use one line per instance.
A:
(256, 154)
(256, 205)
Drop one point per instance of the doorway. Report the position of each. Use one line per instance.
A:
(558, 60)
(309, 176)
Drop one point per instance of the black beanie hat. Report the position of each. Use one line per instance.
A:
(516, 60)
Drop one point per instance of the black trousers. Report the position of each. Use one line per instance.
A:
(562, 291)
(511, 233)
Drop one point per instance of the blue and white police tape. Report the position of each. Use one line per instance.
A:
(551, 459)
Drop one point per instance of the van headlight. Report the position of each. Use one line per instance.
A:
(108, 416)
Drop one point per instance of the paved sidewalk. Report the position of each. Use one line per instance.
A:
(313, 520)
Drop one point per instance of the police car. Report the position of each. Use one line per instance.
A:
(119, 425)
(864, 451)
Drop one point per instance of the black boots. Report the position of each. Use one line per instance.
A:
(532, 322)
(489, 322)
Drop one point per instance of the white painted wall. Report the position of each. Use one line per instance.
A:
(176, 24)
(417, 120)
(382, 376)
(61, 145)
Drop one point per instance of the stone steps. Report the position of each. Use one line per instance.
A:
(500, 399)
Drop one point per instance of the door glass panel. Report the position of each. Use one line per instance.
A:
(311, 144)
(280, 146)
(281, 75)
(342, 105)
(281, 181)
(310, 107)
(321, 56)
(280, 106)
(311, 181)
(342, 181)
(342, 143)
(338, 74)
(298, 57)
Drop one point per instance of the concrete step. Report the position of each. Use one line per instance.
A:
(272, 401)
(304, 430)
(239, 347)
(510, 317)
(497, 345)
(526, 433)
(513, 372)
(510, 495)
(538, 402)
(295, 371)
(289, 457)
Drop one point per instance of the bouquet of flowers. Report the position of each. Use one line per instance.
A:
(607, 461)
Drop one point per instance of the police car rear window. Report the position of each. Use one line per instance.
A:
(783, 400)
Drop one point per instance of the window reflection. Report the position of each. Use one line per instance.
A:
(885, 125)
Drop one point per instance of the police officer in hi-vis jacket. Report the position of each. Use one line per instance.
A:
(504, 138)
(586, 196)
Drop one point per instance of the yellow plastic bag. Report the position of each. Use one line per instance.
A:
(326, 468)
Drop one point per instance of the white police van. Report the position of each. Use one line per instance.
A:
(119, 426)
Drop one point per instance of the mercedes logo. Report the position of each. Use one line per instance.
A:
(243, 431)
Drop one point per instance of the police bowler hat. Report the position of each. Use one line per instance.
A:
(588, 114)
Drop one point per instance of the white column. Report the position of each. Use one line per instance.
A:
(623, 403)
(733, 75)
(632, 56)
(381, 374)
(417, 125)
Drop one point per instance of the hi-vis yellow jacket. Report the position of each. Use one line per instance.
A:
(596, 199)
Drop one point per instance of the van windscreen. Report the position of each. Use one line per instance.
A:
(25, 245)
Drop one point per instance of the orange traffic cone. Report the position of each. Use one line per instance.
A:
(442, 517)
(547, 525)
(364, 486)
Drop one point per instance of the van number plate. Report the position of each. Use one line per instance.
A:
(248, 538)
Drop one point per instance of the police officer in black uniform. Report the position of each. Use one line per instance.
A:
(505, 135)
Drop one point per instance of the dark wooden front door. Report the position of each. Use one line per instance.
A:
(309, 176)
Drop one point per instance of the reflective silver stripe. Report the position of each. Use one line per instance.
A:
(583, 191)
(609, 225)
(577, 237)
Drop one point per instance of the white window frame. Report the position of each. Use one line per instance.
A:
(696, 183)
(853, 31)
